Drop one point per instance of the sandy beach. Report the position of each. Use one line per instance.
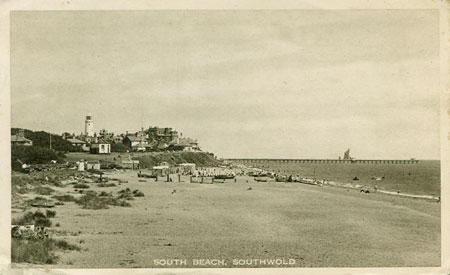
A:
(310, 225)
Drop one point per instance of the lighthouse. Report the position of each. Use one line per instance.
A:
(89, 126)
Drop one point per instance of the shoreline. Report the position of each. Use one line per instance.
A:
(387, 192)
(259, 218)
(401, 180)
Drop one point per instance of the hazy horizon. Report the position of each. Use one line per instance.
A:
(246, 84)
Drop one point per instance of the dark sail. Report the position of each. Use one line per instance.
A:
(347, 154)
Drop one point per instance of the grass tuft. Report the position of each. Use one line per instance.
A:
(93, 201)
(38, 251)
(106, 185)
(81, 185)
(39, 201)
(138, 193)
(65, 198)
(37, 218)
(43, 190)
(50, 213)
(63, 245)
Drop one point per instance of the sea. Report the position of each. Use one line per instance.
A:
(423, 178)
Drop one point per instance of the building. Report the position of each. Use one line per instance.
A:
(185, 144)
(89, 126)
(105, 135)
(78, 143)
(92, 165)
(100, 147)
(152, 139)
(67, 135)
(118, 139)
(89, 140)
(142, 134)
(20, 139)
(138, 142)
(166, 135)
(130, 164)
(142, 147)
(135, 143)
(162, 146)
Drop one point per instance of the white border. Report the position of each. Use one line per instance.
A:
(5, 188)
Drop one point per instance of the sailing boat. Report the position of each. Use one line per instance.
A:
(347, 154)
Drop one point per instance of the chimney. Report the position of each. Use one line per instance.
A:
(21, 133)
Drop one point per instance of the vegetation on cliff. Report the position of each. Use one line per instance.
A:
(201, 159)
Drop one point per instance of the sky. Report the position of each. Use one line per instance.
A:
(246, 84)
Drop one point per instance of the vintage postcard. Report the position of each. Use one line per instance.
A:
(225, 139)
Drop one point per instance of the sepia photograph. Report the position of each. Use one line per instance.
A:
(271, 138)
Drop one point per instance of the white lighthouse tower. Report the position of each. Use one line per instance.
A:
(89, 126)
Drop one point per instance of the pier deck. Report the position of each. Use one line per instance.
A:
(343, 161)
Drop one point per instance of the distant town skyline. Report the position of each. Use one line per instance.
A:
(246, 84)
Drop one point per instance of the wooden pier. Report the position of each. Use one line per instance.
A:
(342, 161)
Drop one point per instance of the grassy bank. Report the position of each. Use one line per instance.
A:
(150, 159)
(199, 158)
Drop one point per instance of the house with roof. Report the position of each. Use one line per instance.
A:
(78, 144)
(136, 143)
(162, 146)
(142, 147)
(118, 139)
(105, 135)
(131, 141)
(100, 147)
(185, 144)
(20, 139)
(165, 135)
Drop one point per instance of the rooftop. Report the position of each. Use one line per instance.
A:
(75, 141)
(19, 138)
(134, 138)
